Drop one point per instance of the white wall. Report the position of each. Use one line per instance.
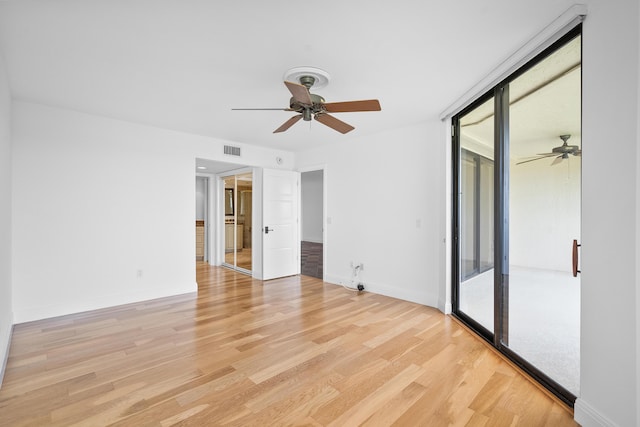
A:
(384, 205)
(312, 210)
(609, 307)
(6, 310)
(544, 213)
(97, 202)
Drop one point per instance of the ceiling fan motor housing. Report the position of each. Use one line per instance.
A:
(307, 110)
(565, 149)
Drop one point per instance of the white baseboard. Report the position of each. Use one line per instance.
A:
(103, 301)
(5, 346)
(414, 295)
(444, 307)
(587, 416)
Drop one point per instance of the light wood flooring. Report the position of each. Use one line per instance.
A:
(292, 351)
(243, 258)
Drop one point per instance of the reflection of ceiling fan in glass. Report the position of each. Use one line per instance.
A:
(560, 153)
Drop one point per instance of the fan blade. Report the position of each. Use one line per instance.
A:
(531, 160)
(286, 125)
(300, 93)
(557, 161)
(577, 153)
(334, 123)
(352, 106)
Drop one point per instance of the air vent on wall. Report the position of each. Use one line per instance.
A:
(231, 150)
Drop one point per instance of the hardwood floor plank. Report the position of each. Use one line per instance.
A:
(357, 391)
(173, 420)
(291, 351)
(477, 420)
(491, 393)
(388, 413)
(358, 414)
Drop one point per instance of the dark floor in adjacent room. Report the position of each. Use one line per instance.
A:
(311, 259)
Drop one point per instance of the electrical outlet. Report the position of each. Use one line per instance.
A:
(139, 274)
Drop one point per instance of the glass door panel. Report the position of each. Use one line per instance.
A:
(238, 191)
(475, 217)
(229, 220)
(243, 223)
(544, 175)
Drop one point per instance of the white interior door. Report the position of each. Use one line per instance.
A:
(280, 229)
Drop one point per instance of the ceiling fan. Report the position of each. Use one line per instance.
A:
(310, 105)
(560, 153)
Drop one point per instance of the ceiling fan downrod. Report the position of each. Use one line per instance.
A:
(307, 81)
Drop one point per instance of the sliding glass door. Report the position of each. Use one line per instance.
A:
(517, 177)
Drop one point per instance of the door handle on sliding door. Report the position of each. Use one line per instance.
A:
(575, 258)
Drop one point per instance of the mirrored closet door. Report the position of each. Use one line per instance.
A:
(238, 192)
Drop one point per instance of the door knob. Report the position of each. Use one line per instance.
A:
(267, 229)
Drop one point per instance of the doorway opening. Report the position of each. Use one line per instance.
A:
(312, 239)
(517, 178)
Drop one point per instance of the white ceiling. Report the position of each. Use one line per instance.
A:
(215, 167)
(184, 64)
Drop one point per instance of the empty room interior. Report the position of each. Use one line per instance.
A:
(356, 213)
